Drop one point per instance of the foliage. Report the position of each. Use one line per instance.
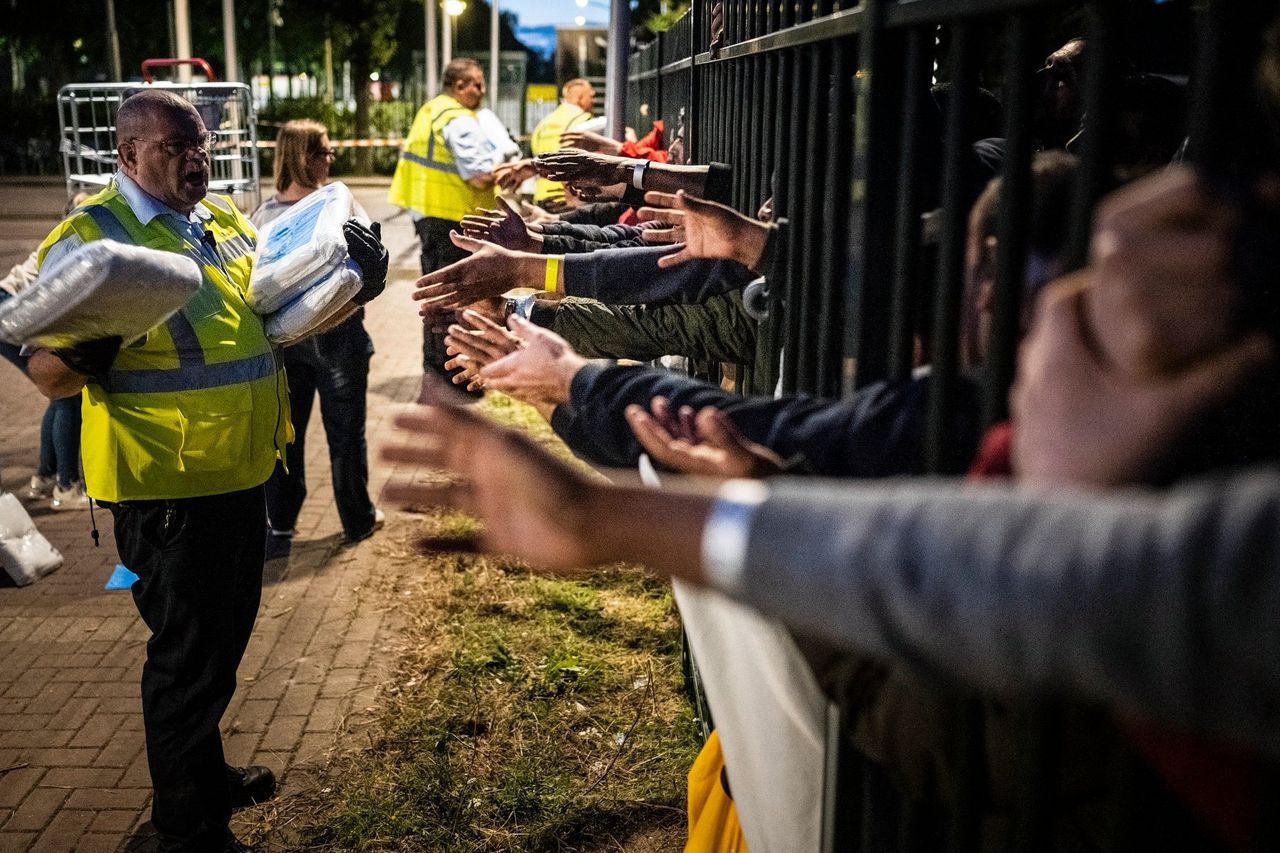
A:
(389, 119)
(664, 19)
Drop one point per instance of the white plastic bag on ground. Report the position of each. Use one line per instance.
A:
(25, 554)
(101, 289)
(299, 246)
(316, 304)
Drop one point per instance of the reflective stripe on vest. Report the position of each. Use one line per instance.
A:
(190, 377)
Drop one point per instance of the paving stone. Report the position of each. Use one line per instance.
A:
(64, 832)
(82, 777)
(16, 784)
(37, 809)
(98, 799)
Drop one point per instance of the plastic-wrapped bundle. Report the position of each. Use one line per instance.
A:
(300, 246)
(24, 553)
(317, 303)
(98, 290)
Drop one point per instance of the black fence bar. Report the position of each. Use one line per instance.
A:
(837, 201)
(918, 62)
(809, 226)
(949, 286)
(794, 73)
(1094, 175)
(1023, 36)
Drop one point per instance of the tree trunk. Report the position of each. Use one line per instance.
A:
(360, 68)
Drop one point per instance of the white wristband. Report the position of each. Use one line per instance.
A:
(637, 174)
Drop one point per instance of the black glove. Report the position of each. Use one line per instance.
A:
(364, 245)
(91, 358)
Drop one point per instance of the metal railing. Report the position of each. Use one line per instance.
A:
(820, 105)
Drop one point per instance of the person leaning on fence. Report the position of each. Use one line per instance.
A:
(334, 363)
(445, 172)
(574, 109)
(181, 430)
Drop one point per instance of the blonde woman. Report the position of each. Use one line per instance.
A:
(334, 363)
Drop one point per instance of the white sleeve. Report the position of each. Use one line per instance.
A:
(725, 537)
(472, 151)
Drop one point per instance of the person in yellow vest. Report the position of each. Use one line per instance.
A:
(574, 109)
(180, 431)
(445, 172)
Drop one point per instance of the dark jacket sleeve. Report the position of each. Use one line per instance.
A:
(878, 432)
(599, 213)
(632, 276)
(715, 330)
(572, 239)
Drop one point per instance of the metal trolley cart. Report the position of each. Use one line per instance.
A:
(87, 119)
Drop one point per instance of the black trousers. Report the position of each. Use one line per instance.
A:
(335, 364)
(438, 252)
(199, 566)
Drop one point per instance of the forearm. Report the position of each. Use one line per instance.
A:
(1162, 604)
(632, 276)
(52, 377)
(659, 529)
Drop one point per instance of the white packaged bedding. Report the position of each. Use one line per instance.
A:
(316, 304)
(98, 290)
(300, 246)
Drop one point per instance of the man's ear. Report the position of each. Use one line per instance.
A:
(127, 156)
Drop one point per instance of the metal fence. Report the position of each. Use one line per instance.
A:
(820, 105)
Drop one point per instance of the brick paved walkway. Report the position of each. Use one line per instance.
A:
(73, 773)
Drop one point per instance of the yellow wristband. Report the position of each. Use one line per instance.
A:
(552, 275)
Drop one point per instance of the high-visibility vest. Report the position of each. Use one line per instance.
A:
(426, 178)
(199, 406)
(546, 139)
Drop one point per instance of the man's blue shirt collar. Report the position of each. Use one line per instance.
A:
(147, 207)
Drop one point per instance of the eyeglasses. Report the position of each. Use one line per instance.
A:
(178, 147)
(325, 152)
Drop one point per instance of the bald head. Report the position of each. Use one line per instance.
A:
(152, 109)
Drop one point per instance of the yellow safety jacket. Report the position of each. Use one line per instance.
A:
(426, 178)
(199, 406)
(546, 139)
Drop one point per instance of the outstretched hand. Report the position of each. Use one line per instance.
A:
(711, 230)
(489, 271)
(475, 341)
(583, 169)
(534, 506)
(509, 176)
(540, 372)
(505, 227)
(706, 443)
(586, 140)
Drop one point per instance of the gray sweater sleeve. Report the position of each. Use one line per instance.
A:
(1165, 604)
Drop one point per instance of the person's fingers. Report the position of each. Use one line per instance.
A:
(685, 418)
(475, 345)
(426, 451)
(660, 214)
(509, 209)
(431, 293)
(453, 271)
(660, 199)
(714, 427)
(478, 321)
(660, 407)
(654, 438)
(500, 370)
(663, 236)
(466, 243)
(1217, 378)
(451, 496)
(676, 258)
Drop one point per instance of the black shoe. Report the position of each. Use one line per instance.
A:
(249, 786)
(279, 545)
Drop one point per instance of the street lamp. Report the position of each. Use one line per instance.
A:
(452, 9)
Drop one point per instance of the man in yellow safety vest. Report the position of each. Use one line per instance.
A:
(180, 431)
(574, 109)
(445, 172)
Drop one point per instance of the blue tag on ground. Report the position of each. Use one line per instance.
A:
(121, 578)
